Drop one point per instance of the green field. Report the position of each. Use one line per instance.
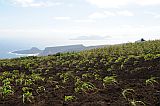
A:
(119, 75)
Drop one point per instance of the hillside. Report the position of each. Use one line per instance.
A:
(118, 75)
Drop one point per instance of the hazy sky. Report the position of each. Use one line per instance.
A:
(79, 19)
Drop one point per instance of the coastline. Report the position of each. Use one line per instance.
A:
(23, 54)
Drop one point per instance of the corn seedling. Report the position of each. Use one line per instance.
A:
(6, 81)
(27, 97)
(16, 72)
(40, 89)
(37, 77)
(97, 77)
(1, 78)
(69, 98)
(19, 81)
(6, 90)
(128, 94)
(26, 89)
(6, 74)
(109, 80)
(151, 81)
(137, 103)
(87, 75)
(58, 87)
(86, 87)
(28, 82)
(64, 77)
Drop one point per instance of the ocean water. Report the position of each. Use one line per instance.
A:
(5, 55)
(9, 45)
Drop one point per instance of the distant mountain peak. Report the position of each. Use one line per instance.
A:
(33, 50)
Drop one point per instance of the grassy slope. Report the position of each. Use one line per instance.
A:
(118, 75)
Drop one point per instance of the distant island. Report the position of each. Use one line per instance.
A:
(57, 49)
(33, 50)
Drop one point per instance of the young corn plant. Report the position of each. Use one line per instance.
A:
(85, 87)
(6, 74)
(40, 89)
(27, 95)
(109, 80)
(1, 77)
(28, 82)
(137, 103)
(66, 77)
(69, 98)
(6, 90)
(19, 81)
(87, 76)
(78, 84)
(37, 77)
(128, 94)
(152, 81)
(97, 77)
(6, 81)
(26, 89)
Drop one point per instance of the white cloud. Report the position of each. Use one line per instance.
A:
(100, 15)
(157, 16)
(109, 13)
(128, 30)
(147, 2)
(154, 14)
(150, 13)
(97, 15)
(84, 21)
(62, 18)
(34, 3)
(125, 13)
(108, 3)
(119, 3)
(105, 14)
